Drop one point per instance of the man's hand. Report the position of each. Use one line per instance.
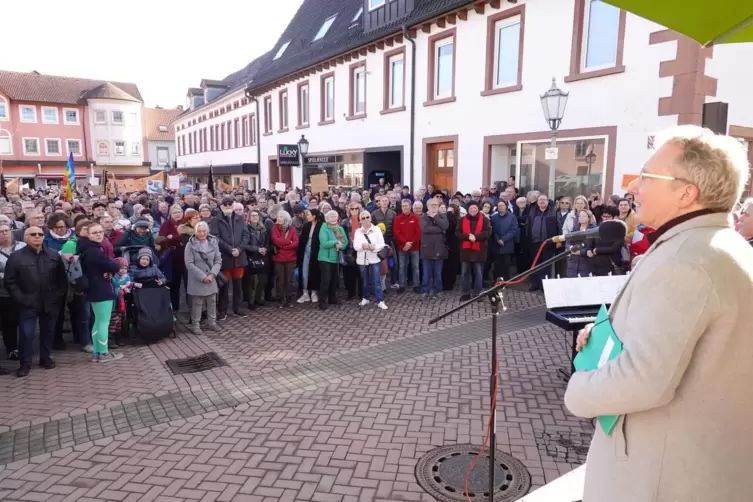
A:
(407, 246)
(169, 237)
(159, 282)
(501, 242)
(263, 251)
(472, 238)
(590, 253)
(137, 285)
(583, 337)
(235, 253)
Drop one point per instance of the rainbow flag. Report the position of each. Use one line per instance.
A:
(69, 178)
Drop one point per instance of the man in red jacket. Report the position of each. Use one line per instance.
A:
(406, 231)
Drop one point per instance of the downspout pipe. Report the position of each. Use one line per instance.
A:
(411, 153)
(258, 136)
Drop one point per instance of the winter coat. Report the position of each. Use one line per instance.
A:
(166, 261)
(388, 218)
(201, 263)
(170, 228)
(114, 237)
(132, 239)
(504, 228)
(467, 253)
(54, 242)
(36, 280)
(4, 262)
(303, 239)
(258, 237)
(681, 385)
(433, 230)
(549, 226)
(185, 231)
(232, 234)
(608, 256)
(328, 242)
(579, 265)
(286, 244)
(98, 269)
(375, 237)
(407, 229)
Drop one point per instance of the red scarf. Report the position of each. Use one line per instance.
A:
(475, 246)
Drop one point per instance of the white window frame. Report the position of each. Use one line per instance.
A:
(375, 4)
(10, 144)
(69, 150)
(329, 85)
(45, 120)
(135, 148)
(21, 114)
(358, 15)
(584, 41)
(133, 119)
(26, 152)
(268, 109)
(304, 104)
(499, 26)
(65, 118)
(167, 155)
(107, 149)
(438, 45)
(284, 110)
(4, 106)
(115, 148)
(326, 25)
(281, 50)
(359, 74)
(164, 128)
(47, 148)
(253, 129)
(122, 117)
(391, 103)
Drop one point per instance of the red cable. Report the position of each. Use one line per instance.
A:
(494, 394)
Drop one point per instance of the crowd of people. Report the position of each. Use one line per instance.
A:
(242, 250)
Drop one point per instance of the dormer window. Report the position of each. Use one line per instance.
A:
(325, 28)
(357, 17)
(162, 128)
(281, 50)
(375, 4)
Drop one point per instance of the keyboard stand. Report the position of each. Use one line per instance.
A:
(562, 372)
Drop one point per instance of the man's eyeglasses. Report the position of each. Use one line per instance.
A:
(643, 176)
(35, 234)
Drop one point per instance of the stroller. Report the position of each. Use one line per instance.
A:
(149, 311)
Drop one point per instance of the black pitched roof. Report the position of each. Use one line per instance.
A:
(340, 38)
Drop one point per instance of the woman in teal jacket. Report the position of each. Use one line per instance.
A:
(332, 240)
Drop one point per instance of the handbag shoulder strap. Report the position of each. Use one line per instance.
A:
(366, 236)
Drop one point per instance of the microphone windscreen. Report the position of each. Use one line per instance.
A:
(612, 230)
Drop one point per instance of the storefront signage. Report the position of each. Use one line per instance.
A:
(287, 155)
(323, 159)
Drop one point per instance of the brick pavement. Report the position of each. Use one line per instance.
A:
(349, 435)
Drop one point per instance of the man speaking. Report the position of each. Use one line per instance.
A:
(682, 384)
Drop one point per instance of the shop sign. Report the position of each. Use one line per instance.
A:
(322, 159)
(287, 155)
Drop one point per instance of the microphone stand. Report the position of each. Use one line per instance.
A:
(494, 295)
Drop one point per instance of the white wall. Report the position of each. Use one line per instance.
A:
(130, 132)
(217, 158)
(731, 65)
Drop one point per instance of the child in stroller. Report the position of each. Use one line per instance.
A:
(150, 313)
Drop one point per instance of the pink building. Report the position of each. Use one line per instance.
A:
(44, 118)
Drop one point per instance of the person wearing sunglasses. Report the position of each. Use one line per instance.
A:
(368, 241)
(35, 280)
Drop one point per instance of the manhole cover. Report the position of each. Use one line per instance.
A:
(195, 364)
(441, 472)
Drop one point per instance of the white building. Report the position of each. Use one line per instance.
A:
(341, 74)
(116, 132)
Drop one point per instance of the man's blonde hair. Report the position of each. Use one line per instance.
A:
(715, 163)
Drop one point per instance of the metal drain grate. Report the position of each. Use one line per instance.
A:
(196, 364)
(567, 447)
(441, 472)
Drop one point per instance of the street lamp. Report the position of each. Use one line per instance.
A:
(303, 149)
(553, 102)
(303, 145)
(590, 159)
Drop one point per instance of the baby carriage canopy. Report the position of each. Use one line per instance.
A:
(152, 313)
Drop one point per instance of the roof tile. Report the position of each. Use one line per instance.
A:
(156, 117)
(32, 86)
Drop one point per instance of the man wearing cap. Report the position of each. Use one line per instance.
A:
(232, 233)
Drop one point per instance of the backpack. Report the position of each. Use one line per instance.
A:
(74, 272)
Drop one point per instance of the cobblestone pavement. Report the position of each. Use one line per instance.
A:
(312, 405)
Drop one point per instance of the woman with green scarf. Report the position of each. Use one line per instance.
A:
(332, 241)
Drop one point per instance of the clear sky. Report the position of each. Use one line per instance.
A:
(164, 46)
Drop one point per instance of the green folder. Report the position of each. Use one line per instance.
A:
(603, 345)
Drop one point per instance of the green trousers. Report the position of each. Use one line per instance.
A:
(102, 313)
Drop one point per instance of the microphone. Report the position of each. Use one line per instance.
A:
(610, 230)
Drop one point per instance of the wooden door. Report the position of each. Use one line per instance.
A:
(274, 173)
(286, 175)
(442, 166)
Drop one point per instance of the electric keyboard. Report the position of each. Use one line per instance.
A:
(573, 302)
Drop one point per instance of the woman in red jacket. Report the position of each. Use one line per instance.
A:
(169, 229)
(285, 242)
